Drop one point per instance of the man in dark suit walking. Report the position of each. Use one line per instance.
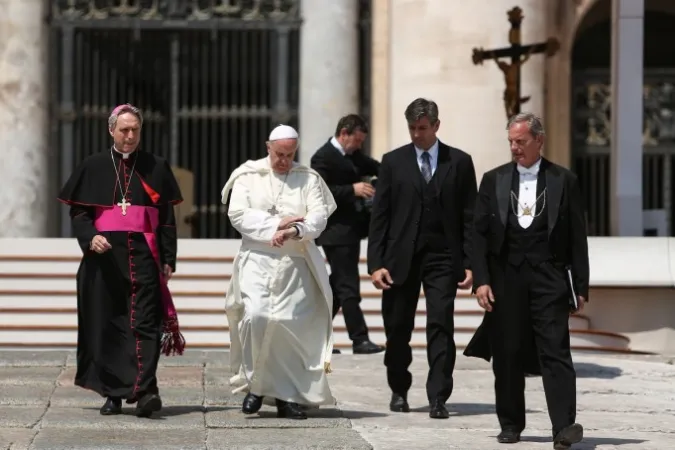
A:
(529, 229)
(420, 235)
(343, 166)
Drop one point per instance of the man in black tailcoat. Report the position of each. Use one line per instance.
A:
(529, 231)
(420, 235)
(343, 167)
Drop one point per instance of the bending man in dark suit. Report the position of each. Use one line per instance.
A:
(529, 226)
(420, 235)
(343, 166)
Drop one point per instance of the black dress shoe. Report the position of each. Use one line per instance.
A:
(508, 437)
(251, 404)
(111, 407)
(148, 404)
(336, 351)
(438, 410)
(366, 348)
(398, 403)
(286, 410)
(568, 436)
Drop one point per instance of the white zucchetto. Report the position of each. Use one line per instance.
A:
(283, 132)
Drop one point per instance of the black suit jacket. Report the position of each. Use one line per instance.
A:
(566, 225)
(349, 223)
(566, 233)
(398, 204)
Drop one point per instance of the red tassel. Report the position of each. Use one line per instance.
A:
(173, 342)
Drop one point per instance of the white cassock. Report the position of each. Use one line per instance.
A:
(279, 302)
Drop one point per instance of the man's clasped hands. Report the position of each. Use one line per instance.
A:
(286, 230)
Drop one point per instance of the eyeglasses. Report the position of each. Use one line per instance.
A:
(520, 142)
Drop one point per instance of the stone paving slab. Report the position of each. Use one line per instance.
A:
(289, 439)
(623, 402)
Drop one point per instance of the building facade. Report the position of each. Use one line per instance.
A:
(213, 79)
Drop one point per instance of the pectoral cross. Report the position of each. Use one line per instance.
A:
(123, 204)
(273, 210)
(519, 54)
(527, 211)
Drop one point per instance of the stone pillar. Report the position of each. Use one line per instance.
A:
(329, 70)
(380, 97)
(25, 192)
(558, 95)
(627, 111)
(430, 44)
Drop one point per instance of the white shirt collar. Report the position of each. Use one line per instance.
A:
(123, 155)
(532, 170)
(337, 145)
(433, 152)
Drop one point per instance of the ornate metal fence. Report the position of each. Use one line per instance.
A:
(211, 76)
(591, 132)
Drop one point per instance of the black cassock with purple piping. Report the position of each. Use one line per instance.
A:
(126, 316)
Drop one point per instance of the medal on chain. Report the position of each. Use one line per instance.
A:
(527, 210)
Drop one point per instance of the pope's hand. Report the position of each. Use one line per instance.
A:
(99, 244)
(288, 221)
(281, 236)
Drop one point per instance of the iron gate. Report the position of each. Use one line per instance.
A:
(591, 132)
(212, 77)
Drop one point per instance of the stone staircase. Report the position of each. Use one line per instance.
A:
(38, 303)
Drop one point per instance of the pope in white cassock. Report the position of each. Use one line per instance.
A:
(279, 302)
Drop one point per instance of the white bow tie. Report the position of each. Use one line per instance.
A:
(534, 170)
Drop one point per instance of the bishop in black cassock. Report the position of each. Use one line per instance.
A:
(121, 206)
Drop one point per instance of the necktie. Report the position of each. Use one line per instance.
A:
(426, 166)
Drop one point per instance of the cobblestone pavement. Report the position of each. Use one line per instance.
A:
(624, 403)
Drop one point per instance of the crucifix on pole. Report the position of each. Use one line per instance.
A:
(519, 55)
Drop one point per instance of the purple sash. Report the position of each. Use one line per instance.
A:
(143, 219)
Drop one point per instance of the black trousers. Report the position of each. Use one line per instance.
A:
(434, 272)
(346, 285)
(532, 314)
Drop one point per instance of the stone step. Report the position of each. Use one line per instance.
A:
(216, 317)
(198, 282)
(217, 336)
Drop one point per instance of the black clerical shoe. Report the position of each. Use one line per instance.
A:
(366, 348)
(438, 410)
(508, 437)
(111, 407)
(568, 436)
(336, 351)
(251, 404)
(286, 410)
(148, 404)
(399, 403)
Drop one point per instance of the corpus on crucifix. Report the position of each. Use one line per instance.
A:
(519, 55)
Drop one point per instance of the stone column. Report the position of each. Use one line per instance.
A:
(379, 78)
(431, 42)
(561, 20)
(329, 70)
(627, 111)
(25, 192)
